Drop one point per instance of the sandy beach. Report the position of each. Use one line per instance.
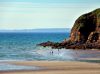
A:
(56, 67)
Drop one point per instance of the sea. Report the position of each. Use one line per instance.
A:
(23, 47)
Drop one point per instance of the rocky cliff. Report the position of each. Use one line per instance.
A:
(85, 34)
(87, 27)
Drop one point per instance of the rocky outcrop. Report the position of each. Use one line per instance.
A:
(87, 27)
(85, 34)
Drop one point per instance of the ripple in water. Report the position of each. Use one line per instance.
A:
(10, 67)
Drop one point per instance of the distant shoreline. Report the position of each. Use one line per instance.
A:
(48, 30)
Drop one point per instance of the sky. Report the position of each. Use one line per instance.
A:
(36, 14)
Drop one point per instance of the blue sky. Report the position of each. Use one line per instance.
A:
(33, 14)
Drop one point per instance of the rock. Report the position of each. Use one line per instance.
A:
(85, 25)
(93, 37)
(85, 34)
(48, 43)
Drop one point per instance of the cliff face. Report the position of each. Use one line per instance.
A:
(87, 28)
(85, 34)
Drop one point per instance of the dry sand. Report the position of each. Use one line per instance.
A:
(57, 67)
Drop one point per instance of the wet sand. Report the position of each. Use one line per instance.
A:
(56, 67)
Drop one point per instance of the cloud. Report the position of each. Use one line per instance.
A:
(15, 15)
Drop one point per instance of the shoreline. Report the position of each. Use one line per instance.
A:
(55, 67)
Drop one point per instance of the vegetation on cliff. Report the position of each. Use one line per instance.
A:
(85, 25)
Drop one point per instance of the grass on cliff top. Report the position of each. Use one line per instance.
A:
(97, 11)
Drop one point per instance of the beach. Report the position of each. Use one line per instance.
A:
(22, 49)
(55, 67)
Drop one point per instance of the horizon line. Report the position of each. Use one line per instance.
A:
(35, 28)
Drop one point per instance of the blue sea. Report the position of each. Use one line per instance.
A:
(23, 46)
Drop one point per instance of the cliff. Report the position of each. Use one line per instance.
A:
(87, 27)
(85, 33)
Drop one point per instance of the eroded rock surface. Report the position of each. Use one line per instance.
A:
(87, 27)
(85, 34)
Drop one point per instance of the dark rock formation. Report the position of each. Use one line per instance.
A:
(87, 27)
(85, 34)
